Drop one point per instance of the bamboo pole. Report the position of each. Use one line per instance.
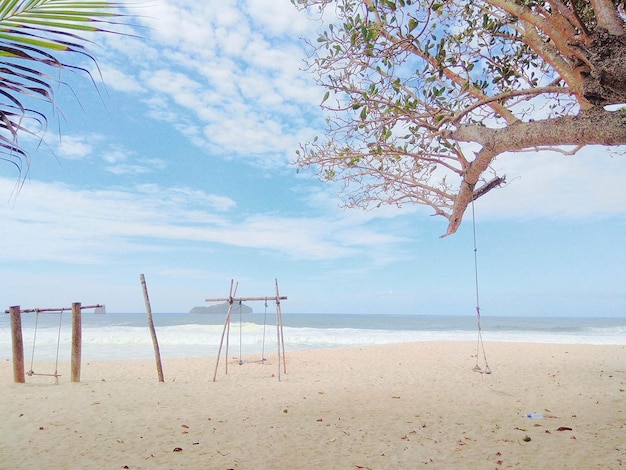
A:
(241, 299)
(155, 342)
(226, 328)
(228, 318)
(18, 345)
(77, 339)
(279, 313)
(60, 310)
(278, 336)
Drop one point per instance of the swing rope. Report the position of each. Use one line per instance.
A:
(480, 346)
(240, 333)
(56, 374)
(56, 364)
(32, 354)
(263, 359)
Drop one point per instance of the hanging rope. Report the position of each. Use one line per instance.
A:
(32, 354)
(56, 363)
(240, 333)
(263, 359)
(480, 346)
(31, 372)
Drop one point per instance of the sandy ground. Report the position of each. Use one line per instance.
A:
(379, 407)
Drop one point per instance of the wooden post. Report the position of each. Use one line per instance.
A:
(18, 345)
(226, 330)
(155, 342)
(77, 341)
(279, 328)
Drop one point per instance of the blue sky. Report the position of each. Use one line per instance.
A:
(178, 168)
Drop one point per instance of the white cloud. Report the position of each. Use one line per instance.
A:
(118, 80)
(118, 162)
(126, 169)
(587, 184)
(89, 226)
(74, 147)
(231, 81)
(230, 68)
(115, 155)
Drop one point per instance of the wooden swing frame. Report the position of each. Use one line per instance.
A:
(19, 375)
(231, 299)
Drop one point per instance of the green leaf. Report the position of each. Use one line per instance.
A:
(34, 42)
(36, 35)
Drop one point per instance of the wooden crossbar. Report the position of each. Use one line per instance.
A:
(54, 310)
(244, 299)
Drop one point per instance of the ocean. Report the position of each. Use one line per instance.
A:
(126, 335)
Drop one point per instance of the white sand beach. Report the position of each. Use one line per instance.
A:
(402, 406)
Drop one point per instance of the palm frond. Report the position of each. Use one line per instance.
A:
(36, 35)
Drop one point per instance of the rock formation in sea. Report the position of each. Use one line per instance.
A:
(222, 308)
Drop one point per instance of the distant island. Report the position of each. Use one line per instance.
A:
(222, 309)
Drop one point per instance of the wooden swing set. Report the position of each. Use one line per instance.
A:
(231, 299)
(19, 374)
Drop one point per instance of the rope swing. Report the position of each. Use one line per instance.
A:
(480, 346)
(226, 331)
(263, 358)
(240, 333)
(56, 374)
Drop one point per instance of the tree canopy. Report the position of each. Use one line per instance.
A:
(34, 35)
(423, 95)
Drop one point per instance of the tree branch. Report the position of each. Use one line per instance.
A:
(593, 127)
(508, 95)
(494, 183)
(458, 80)
(608, 17)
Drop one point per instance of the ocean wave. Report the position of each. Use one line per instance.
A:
(120, 341)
